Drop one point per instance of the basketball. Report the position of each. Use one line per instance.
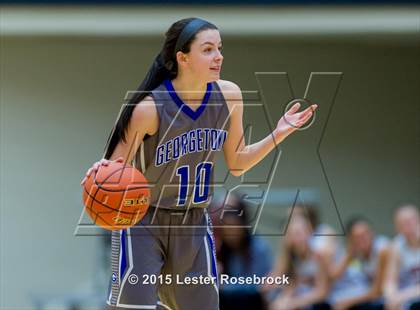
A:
(116, 196)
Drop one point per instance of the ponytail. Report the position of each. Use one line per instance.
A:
(154, 77)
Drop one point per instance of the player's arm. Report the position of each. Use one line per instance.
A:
(318, 293)
(280, 268)
(390, 286)
(336, 270)
(375, 290)
(144, 120)
(395, 298)
(379, 280)
(240, 157)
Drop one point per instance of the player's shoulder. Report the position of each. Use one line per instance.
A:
(227, 85)
(145, 113)
(145, 107)
(229, 89)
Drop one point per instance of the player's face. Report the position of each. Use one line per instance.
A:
(361, 237)
(205, 57)
(298, 234)
(407, 223)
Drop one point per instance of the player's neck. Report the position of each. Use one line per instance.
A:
(189, 90)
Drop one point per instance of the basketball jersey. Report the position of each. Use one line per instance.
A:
(306, 272)
(178, 160)
(369, 266)
(307, 269)
(409, 263)
(351, 284)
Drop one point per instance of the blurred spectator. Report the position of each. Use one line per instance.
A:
(323, 239)
(368, 253)
(402, 288)
(241, 255)
(309, 284)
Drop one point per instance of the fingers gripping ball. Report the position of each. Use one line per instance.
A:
(117, 196)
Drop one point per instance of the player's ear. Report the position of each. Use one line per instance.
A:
(181, 58)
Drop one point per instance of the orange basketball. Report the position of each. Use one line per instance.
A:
(116, 196)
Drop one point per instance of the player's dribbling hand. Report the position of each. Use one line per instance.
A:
(95, 167)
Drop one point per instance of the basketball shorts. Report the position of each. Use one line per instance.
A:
(167, 261)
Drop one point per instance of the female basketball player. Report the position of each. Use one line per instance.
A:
(182, 116)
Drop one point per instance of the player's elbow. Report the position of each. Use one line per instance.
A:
(237, 172)
(234, 169)
(232, 162)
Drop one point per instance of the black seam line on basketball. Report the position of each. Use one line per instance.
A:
(104, 205)
(94, 180)
(119, 190)
(100, 202)
(114, 190)
(122, 168)
(110, 175)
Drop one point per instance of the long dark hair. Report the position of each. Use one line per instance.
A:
(164, 66)
(244, 249)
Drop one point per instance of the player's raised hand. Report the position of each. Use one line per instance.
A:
(95, 167)
(292, 119)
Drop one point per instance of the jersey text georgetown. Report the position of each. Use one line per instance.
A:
(196, 140)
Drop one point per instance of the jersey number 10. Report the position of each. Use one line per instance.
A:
(201, 185)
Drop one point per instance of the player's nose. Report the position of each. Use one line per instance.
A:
(219, 56)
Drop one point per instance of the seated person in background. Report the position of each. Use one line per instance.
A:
(323, 239)
(402, 286)
(369, 253)
(241, 255)
(308, 281)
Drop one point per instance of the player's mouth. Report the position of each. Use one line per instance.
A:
(215, 69)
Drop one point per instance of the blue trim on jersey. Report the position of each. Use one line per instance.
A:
(213, 262)
(183, 106)
(123, 256)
